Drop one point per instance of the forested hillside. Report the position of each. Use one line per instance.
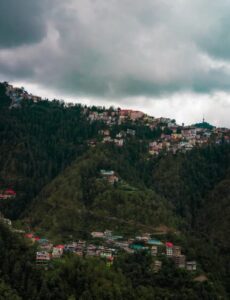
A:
(197, 184)
(213, 224)
(185, 180)
(76, 278)
(37, 142)
(76, 169)
(81, 200)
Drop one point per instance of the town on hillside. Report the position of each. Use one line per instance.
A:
(107, 246)
(18, 94)
(170, 137)
(173, 138)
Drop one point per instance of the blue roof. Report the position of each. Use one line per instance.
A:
(154, 242)
(41, 241)
(138, 247)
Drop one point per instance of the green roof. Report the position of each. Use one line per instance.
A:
(138, 247)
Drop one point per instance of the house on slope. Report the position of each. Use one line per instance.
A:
(42, 258)
(110, 176)
(119, 142)
(97, 234)
(58, 251)
(176, 250)
(169, 248)
(8, 194)
(191, 266)
(180, 261)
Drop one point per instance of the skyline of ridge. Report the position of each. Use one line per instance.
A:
(168, 58)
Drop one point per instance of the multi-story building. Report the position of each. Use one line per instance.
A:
(169, 249)
(176, 250)
(179, 261)
(42, 258)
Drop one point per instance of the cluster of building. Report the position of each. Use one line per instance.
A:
(46, 251)
(118, 140)
(145, 242)
(18, 94)
(118, 116)
(7, 194)
(174, 138)
(113, 116)
(181, 138)
(106, 245)
(179, 259)
(82, 248)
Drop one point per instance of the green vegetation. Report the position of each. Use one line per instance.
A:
(45, 157)
(204, 125)
(81, 200)
(36, 143)
(185, 179)
(131, 277)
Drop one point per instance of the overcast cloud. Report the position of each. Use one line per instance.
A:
(166, 57)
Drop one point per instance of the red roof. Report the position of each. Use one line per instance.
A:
(29, 235)
(110, 258)
(124, 112)
(60, 246)
(10, 192)
(169, 244)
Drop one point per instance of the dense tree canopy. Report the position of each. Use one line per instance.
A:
(45, 157)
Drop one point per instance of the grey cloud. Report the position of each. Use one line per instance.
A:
(117, 48)
(21, 22)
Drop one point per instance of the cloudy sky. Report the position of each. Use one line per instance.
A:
(167, 58)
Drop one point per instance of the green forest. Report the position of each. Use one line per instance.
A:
(45, 156)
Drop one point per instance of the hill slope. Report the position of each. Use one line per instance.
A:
(214, 224)
(45, 155)
(37, 142)
(80, 199)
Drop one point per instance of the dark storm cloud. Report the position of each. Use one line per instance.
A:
(117, 49)
(215, 39)
(21, 22)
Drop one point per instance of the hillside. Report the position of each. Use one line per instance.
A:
(217, 206)
(197, 184)
(214, 221)
(186, 179)
(37, 142)
(67, 170)
(80, 199)
(77, 278)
